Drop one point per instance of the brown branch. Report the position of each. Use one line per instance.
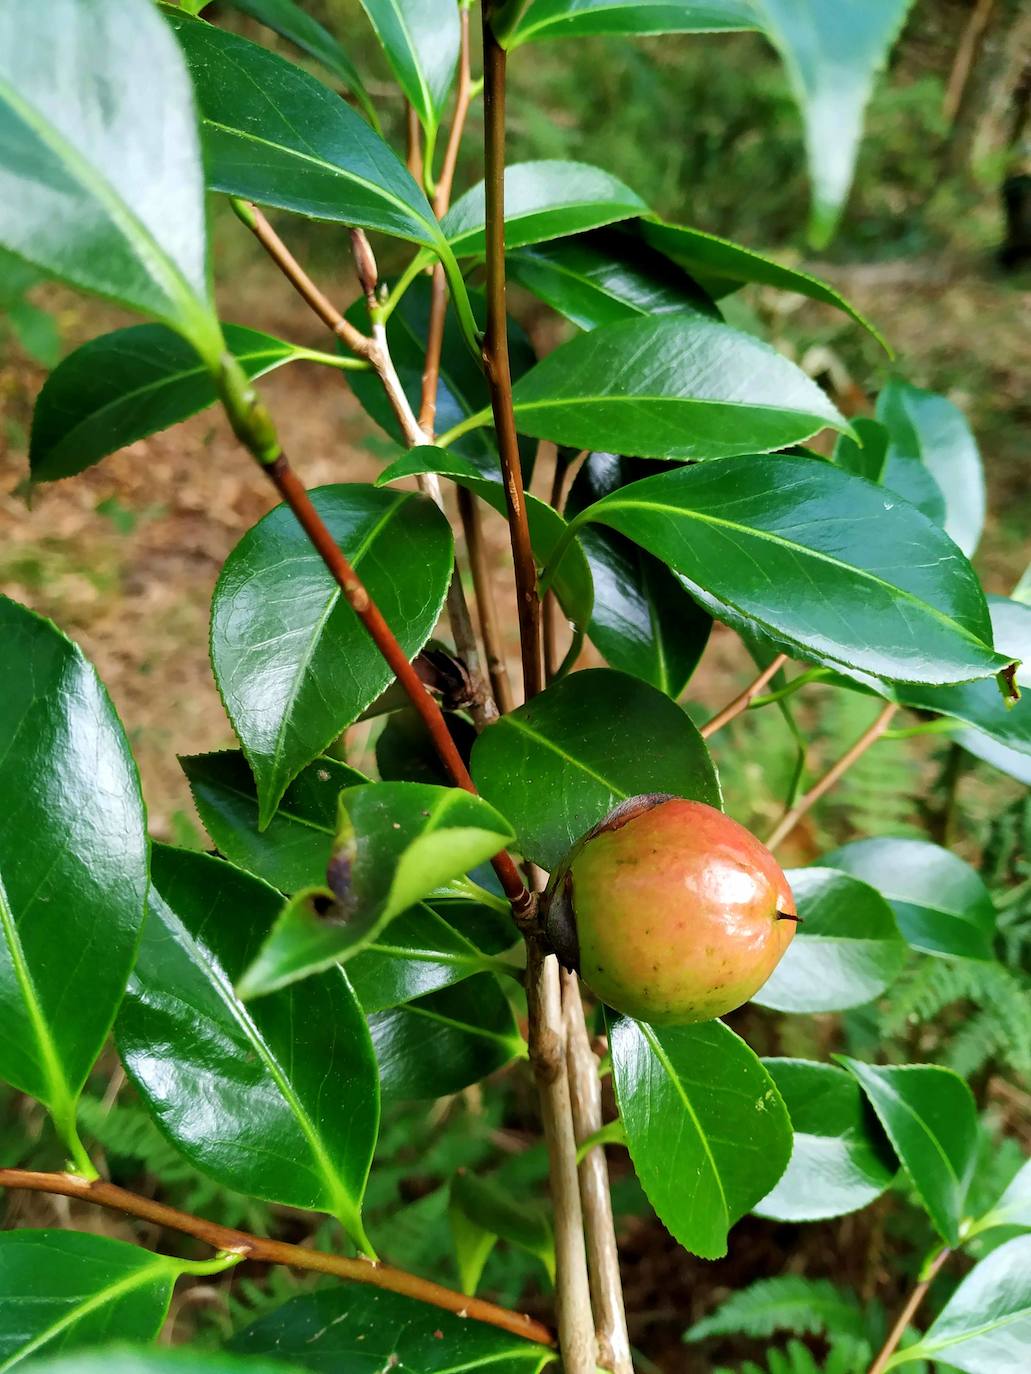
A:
(496, 362)
(551, 606)
(869, 736)
(743, 700)
(596, 1202)
(493, 646)
(908, 1312)
(413, 142)
(252, 1247)
(964, 59)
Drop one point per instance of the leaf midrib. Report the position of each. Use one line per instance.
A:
(542, 211)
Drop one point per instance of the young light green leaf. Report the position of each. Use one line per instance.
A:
(122, 386)
(293, 662)
(847, 950)
(606, 275)
(810, 554)
(63, 1290)
(840, 1159)
(441, 1044)
(421, 39)
(72, 822)
(129, 1359)
(362, 1329)
(293, 851)
(670, 387)
(930, 1118)
(706, 1128)
(985, 1327)
(479, 1204)
(582, 18)
(557, 765)
(931, 430)
(241, 1091)
(543, 200)
(1012, 1209)
(940, 903)
(395, 843)
(100, 181)
(833, 55)
(721, 266)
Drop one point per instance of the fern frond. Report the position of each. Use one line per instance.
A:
(803, 1307)
(846, 1356)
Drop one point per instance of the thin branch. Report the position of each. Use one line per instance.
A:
(908, 1312)
(483, 585)
(596, 1202)
(551, 606)
(548, 1057)
(869, 736)
(234, 1242)
(413, 142)
(743, 700)
(496, 362)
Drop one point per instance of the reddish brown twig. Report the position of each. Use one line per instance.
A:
(253, 1247)
(493, 646)
(743, 700)
(908, 1312)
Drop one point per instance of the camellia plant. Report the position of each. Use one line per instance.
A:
(353, 938)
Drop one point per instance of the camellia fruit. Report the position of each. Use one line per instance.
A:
(670, 911)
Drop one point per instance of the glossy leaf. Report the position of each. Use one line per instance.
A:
(480, 1204)
(985, 1327)
(644, 622)
(846, 951)
(421, 39)
(557, 765)
(240, 1090)
(810, 554)
(122, 386)
(604, 276)
(833, 55)
(940, 903)
(581, 18)
(300, 147)
(100, 180)
(706, 1128)
(930, 1118)
(405, 751)
(721, 266)
(930, 429)
(294, 849)
(670, 387)
(63, 1290)
(573, 582)
(127, 1359)
(840, 1159)
(72, 822)
(1013, 1207)
(419, 953)
(395, 843)
(543, 200)
(869, 457)
(293, 662)
(441, 1044)
(366, 1330)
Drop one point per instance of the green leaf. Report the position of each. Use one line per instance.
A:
(867, 458)
(559, 764)
(811, 555)
(419, 953)
(840, 1160)
(37, 332)
(421, 39)
(930, 429)
(670, 387)
(644, 622)
(847, 950)
(395, 843)
(291, 22)
(543, 200)
(940, 903)
(985, 1327)
(63, 1290)
(931, 1120)
(361, 1330)
(441, 1044)
(786, 1303)
(147, 1360)
(122, 386)
(73, 865)
(604, 276)
(581, 18)
(300, 147)
(706, 1128)
(481, 1205)
(572, 583)
(293, 851)
(721, 266)
(241, 1091)
(833, 55)
(405, 751)
(1013, 1207)
(293, 662)
(100, 179)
